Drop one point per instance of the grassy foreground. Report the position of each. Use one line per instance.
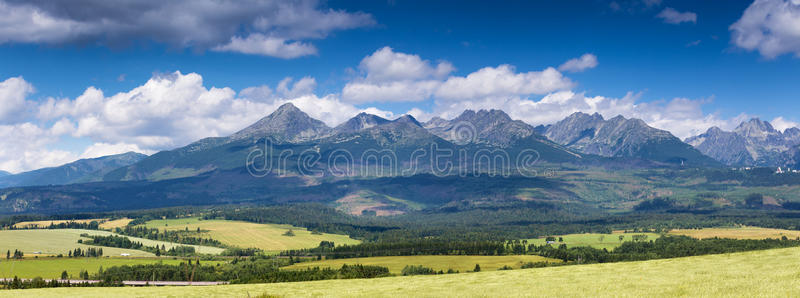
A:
(460, 263)
(268, 237)
(755, 273)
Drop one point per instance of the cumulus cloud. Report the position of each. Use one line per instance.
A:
(271, 28)
(672, 16)
(387, 65)
(105, 149)
(168, 111)
(772, 27)
(258, 44)
(782, 124)
(25, 147)
(584, 62)
(502, 81)
(13, 103)
(393, 76)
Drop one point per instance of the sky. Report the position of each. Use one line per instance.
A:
(87, 78)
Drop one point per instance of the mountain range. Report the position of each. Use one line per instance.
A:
(84, 170)
(579, 138)
(297, 158)
(752, 143)
(621, 137)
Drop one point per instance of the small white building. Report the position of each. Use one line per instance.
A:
(125, 254)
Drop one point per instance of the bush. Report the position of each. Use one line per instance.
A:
(417, 270)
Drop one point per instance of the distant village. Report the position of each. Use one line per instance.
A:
(788, 170)
(780, 170)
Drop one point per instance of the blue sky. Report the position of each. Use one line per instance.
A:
(678, 65)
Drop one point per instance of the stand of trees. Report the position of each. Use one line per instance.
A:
(403, 248)
(18, 254)
(89, 252)
(182, 237)
(38, 282)
(125, 242)
(253, 270)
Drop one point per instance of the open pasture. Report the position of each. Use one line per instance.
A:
(268, 237)
(60, 241)
(737, 233)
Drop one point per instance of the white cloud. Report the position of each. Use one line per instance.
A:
(272, 28)
(168, 111)
(25, 147)
(392, 76)
(772, 27)
(672, 16)
(387, 65)
(782, 124)
(105, 149)
(502, 81)
(13, 103)
(258, 44)
(584, 62)
(304, 86)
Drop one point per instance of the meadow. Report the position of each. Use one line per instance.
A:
(596, 240)
(60, 241)
(52, 267)
(460, 263)
(749, 274)
(46, 223)
(268, 237)
(737, 233)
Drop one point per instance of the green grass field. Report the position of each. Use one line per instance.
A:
(599, 241)
(772, 273)
(268, 237)
(460, 263)
(52, 267)
(60, 241)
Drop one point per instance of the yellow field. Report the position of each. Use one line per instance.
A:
(268, 237)
(46, 223)
(117, 223)
(768, 273)
(460, 263)
(737, 233)
(60, 241)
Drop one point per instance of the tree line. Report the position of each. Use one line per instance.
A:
(125, 242)
(182, 237)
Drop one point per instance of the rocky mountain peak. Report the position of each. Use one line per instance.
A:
(755, 128)
(287, 123)
(360, 122)
(408, 119)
